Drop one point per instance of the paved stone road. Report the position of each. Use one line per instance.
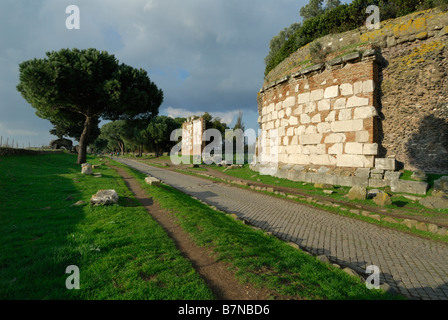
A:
(415, 267)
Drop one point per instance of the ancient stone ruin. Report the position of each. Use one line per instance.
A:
(192, 133)
(377, 104)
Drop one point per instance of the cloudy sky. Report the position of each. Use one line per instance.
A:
(206, 55)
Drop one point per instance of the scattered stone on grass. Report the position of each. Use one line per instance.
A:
(323, 259)
(152, 181)
(351, 272)
(441, 187)
(86, 168)
(322, 186)
(409, 223)
(372, 193)
(389, 219)
(357, 193)
(434, 202)
(382, 199)
(104, 197)
(78, 204)
(419, 175)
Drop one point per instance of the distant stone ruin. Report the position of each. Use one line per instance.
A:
(192, 133)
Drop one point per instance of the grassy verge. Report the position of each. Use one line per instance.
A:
(121, 252)
(255, 256)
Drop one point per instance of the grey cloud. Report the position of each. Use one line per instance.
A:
(220, 43)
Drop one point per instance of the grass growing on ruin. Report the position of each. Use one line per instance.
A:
(121, 252)
(256, 257)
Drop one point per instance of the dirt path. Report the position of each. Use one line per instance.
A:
(220, 280)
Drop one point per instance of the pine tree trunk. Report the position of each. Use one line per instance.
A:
(82, 153)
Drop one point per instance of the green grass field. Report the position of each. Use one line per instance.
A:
(121, 252)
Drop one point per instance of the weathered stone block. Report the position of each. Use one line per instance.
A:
(346, 89)
(324, 160)
(357, 193)
(104, 197)
(353, 148)
(331, 117)
(419, 175)
(316, 118)
(385, 163)
(347, 126)
(378, 183)
(86, 168)
(365, 113)
(345, 114)
(310, 107)
(351, 181)
(362, 172)
(340, 103)
(305, 119)
(370, 149)
(391, 175)
(293, 121)
(325, 179)
(441, 187)
(323, 127)
(310, 139)
(414, 187)
(289, 102)
(311, 130)
(435, 202)
(357, 87)
(336, 149)
(356, 101)
(324, 105)
(354, 161)
(368, 86)
(317, 95)
(152, 181)
(351, 56)
(331, 92)
(335, 138)
(299, 159)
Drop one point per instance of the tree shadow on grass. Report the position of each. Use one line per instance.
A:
(35, 250)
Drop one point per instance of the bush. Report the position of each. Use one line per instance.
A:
(343, 18)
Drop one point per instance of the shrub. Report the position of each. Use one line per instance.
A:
(345, 17)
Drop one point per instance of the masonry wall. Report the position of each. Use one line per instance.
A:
(324, 117)
(410, 78)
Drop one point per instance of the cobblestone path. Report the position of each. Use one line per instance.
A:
(415, 267)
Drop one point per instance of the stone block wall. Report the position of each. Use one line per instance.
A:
(192, 132)
(406, 117)
(324, 116)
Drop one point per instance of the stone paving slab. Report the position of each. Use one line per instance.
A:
(414, 267)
